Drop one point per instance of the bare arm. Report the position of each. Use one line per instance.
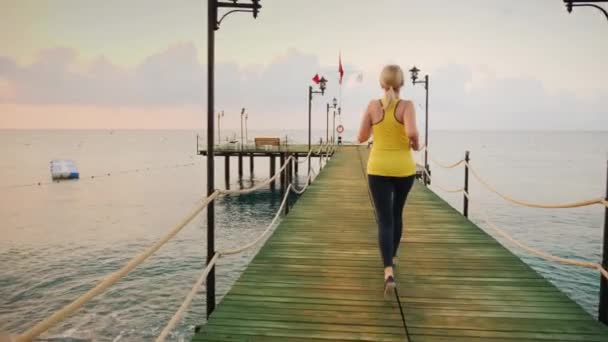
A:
(365, 130)
(409, 120)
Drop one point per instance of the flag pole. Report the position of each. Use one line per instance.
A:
(341, 73)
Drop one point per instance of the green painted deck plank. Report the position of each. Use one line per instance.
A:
(319, 277)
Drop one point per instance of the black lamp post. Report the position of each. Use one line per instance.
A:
(414, 71)
(213, 24)
(334, 106)
(219, 116)
(585, 3)
(322, 85)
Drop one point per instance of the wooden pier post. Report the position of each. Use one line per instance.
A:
(465, 210)
(603, 305)
(287, 182)
(251, 163)
(282, 176)
(291, 168)
(240, 165)
(227, 171)
(272, 170)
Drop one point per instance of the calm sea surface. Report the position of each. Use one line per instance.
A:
(58, 239)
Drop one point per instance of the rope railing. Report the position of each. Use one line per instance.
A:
(578, 204)
(188, 300)
(539, 253)
(67, 310)
(519, 244)
(442, 187)
(61, 314)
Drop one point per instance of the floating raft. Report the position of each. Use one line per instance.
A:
(319, 277)
(64, 169)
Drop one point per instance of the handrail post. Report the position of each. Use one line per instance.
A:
(603, 305)
(287, 182)
(282, 173)
(465, 210)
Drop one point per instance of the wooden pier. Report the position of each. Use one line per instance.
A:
(319, 277)
(281, 151)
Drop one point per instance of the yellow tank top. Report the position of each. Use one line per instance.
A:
(391, 154)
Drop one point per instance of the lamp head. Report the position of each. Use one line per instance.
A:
(323, 84)
(414, 71)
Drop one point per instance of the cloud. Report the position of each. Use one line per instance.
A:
(275, 94)
(507, 103)
(7, 93)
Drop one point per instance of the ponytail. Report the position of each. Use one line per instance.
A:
(389, 96)
(391, 80)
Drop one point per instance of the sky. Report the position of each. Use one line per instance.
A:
(141, 64)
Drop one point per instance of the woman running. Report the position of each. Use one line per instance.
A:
(390, 168)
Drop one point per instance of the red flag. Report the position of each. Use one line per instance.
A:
(340, 69)
(316, 79)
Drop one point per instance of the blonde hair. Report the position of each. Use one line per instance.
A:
(391, 80)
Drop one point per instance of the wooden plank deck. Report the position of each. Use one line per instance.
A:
(319, 277)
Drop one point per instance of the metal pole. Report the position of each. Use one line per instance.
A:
(309, 123)
(333, 134)
(426, 127)
(287, 182)
(282, 174)
(327, 124)
(211, 22)
(603, 305)
(246, 135)
(242, 130)
(465, 210)
(219, 142)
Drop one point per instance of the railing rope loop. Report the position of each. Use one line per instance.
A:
(502, 233)
(578, 204)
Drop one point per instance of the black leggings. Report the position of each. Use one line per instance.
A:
(389, 195)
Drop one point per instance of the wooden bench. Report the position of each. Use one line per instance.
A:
(267, 142)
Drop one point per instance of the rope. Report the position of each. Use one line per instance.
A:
(446, 166)
(539, 253)
(536, 205)
(92, 177)
(258, 186)
(544, 255)
(307, 156)
(261, 236)
(182, 309)
(441, 187)
(438, 163)
(61, 314)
